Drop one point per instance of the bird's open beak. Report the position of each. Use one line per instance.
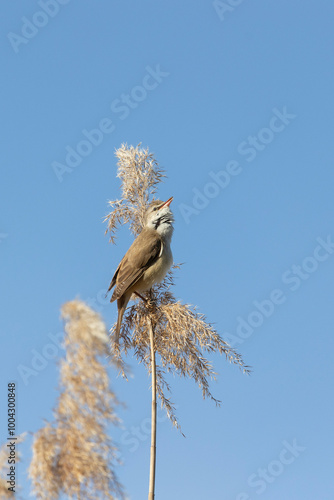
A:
(167, 203)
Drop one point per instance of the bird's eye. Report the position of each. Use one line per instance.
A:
(155, 209)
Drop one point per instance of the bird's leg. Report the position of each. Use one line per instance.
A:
(140, 296)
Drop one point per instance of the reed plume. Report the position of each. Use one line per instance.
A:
(181, 335)
(73, 455)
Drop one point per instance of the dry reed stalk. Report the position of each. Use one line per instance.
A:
(153, 415)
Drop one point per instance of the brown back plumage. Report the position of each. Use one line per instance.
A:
(143, 252)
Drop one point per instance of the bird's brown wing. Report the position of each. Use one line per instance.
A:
(143, 252)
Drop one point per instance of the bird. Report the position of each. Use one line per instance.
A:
(148, 259)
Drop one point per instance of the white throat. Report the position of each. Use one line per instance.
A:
(162, 222)
(165, 229)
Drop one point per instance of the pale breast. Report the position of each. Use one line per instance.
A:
(156, 273)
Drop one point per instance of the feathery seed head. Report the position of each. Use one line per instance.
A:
(182, 336)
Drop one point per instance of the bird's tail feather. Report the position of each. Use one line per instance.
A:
(122, 302)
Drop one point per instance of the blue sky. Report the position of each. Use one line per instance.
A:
(235, 100)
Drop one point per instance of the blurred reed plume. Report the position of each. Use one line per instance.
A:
(4, 492)
(73, 455)
(4, 469)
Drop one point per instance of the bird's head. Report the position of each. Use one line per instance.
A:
(160, 217)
